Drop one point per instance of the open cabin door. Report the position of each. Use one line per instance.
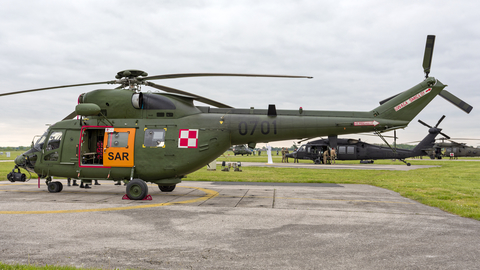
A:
(119, 145)
(90, 148)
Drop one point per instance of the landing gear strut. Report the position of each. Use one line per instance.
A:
(403, 160)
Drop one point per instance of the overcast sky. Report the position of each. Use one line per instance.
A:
(359, 52)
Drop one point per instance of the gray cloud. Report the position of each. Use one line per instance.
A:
(358, 52)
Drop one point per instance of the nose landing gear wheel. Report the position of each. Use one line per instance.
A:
(137, 189)
(167, 188)
(54, 187)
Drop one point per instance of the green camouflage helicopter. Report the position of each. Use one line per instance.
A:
(124, 134)
(453, 149)
(242, 150)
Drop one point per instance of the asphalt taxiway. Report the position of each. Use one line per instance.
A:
(219, 225)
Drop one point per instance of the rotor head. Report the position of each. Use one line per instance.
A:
(435, 129)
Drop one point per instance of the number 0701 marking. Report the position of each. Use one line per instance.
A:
(244, 127)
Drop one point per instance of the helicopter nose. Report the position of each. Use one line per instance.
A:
(20, 160)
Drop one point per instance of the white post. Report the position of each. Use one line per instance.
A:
(269, 153)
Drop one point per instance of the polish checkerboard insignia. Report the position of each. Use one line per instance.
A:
(188, 138)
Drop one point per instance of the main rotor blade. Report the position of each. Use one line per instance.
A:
(467, 139)
(441, 119)
(70, 116)
(55, 87)
(457, 142)
(305, 139)
(375, 135)
(412, 142)
(427, 57)
(184, 75)
(196, 97)
(456, 101)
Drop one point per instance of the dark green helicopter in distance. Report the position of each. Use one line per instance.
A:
(242, 150)
(453, 149)
(353, 149)
(124, 134)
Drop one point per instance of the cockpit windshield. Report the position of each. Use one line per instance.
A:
(39, 143)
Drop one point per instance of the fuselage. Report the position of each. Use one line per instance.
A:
(162, 137)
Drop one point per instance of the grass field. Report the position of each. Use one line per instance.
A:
(454, 186)
(35, 267)
(13, 155)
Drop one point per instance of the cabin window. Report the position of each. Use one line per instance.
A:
(117, 139)
(154, 138)
(350, 150)
(342, 150)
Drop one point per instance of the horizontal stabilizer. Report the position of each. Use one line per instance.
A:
(456, 101)
(387, 99)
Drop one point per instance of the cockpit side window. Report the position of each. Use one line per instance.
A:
(54, 140)
(40, 142)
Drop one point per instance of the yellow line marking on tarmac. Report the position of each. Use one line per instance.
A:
(208, 195)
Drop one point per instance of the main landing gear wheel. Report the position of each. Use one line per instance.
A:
(137, 189)
(167, 188)
(54, 187)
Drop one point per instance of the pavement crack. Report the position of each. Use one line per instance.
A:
(241, 198)
(273, 201)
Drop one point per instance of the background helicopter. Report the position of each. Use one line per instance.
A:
(452, 149)
(353, 149)
(124, 134)
(241, 150)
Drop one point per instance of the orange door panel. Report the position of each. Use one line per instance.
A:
(119, 147)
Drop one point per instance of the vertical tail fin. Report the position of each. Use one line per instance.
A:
(427, 142)
(406, 105)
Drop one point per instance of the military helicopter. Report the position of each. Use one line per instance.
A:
(125, 134)
(242, 150)
(452, 149)
(353, 149)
